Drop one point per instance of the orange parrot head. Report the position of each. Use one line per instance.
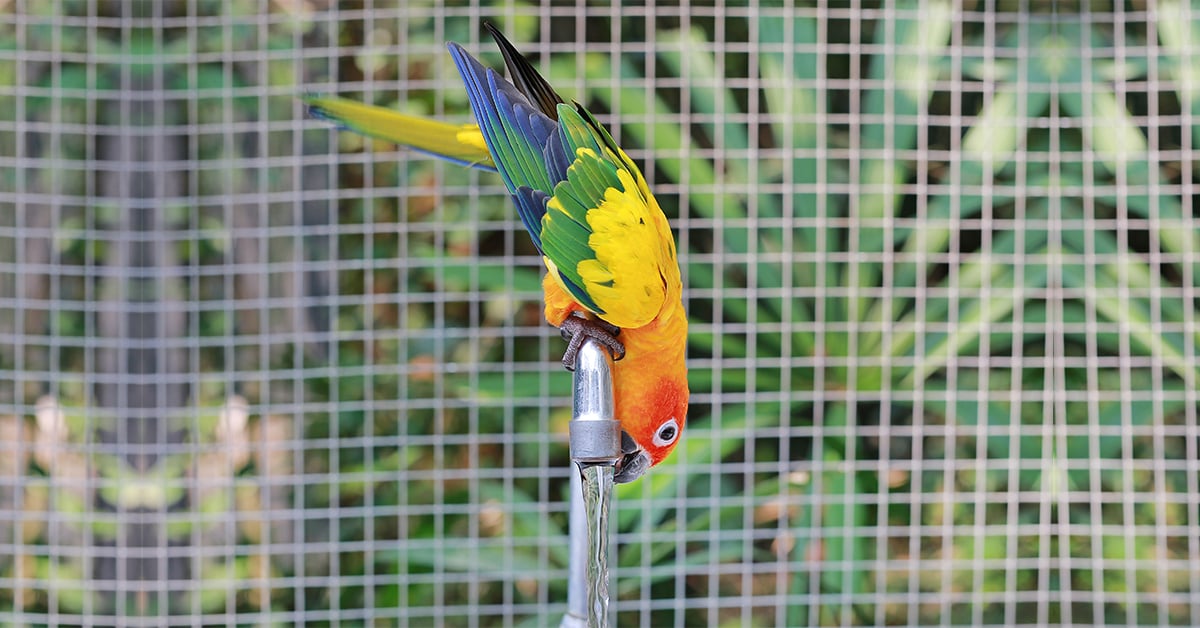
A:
(651, 426)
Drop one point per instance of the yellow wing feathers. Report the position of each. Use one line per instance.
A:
(634, 272)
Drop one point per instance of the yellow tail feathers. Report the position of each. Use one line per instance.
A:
(460, 143)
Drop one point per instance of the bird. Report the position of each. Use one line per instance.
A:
(612, 268)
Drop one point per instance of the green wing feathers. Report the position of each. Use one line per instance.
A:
(604, 232)
(584, 203)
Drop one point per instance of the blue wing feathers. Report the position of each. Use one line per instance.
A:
(536, 148)
(516, 134)
(531, 206)
(475, 78)
(555, 156)
(533, 142)
(544, 128)
(521, 168)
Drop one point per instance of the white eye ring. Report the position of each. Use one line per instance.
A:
(667, 433)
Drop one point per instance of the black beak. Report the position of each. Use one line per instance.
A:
(633, 464)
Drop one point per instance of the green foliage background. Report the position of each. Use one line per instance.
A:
(941, 260)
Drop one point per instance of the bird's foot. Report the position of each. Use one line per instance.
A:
(577, 329)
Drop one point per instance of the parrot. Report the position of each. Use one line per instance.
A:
(612, 270)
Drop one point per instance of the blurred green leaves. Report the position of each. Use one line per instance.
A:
(967, 245)
(932, 259)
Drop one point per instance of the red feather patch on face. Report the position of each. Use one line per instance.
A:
(658, 422)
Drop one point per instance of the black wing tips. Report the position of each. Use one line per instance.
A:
(523, 75)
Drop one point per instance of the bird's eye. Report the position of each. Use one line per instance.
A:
(667, 433)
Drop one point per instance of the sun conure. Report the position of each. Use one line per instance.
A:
(613, 273)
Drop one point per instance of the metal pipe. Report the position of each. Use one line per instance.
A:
(595, 449)
(595, 432)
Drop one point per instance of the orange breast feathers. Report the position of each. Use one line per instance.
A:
(650, 390)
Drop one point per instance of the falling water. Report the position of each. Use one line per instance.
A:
(597, 499)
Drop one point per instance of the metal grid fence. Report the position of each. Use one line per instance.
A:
(941, 263)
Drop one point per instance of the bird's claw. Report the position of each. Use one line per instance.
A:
(577, 329)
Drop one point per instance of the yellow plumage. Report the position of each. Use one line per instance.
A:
(634, 272)
(458, 142)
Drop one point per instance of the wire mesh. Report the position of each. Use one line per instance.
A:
(941, 266)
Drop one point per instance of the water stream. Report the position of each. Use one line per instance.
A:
(597, 501)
